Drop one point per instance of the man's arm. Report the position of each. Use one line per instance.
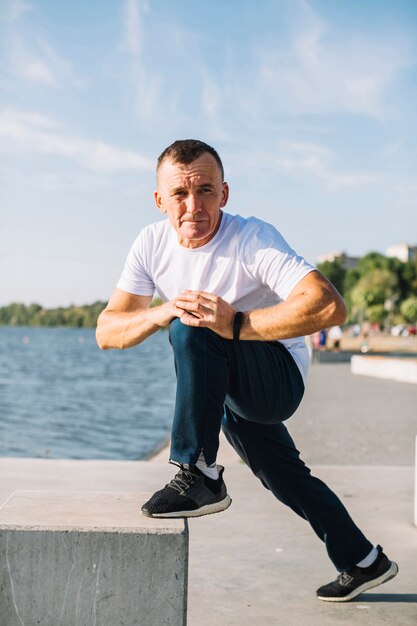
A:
(312, 305)
(127, 320)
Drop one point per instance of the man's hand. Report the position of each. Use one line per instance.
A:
(127, 320)
(203, 309)
(164, 313)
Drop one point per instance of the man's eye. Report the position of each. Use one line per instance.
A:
(207, 190)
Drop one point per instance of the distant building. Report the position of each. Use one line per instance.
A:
(403, 251)
(348, 262)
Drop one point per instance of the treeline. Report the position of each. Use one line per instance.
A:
(17, 314)
(379, 289)
(84, 316)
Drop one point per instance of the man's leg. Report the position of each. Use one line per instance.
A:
(202, 369)
(253, 425)
(268, 449)
(272, 456)
(207, 368)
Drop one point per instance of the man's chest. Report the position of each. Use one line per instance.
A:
(215, 273)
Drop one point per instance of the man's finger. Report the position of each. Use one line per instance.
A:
(204, 294)
(192, 314)
(194, 307)
(186, 304)
(191, 320)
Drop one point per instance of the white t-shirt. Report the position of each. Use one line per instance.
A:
(247, 263)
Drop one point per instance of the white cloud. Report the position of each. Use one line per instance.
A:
(29, 64)
(302, 147)
(301, 160)
(211, 98)
(37, 61)
(11, 11)
(147, 83)
(29, 55)
(134, 10)
(211, 108)
(323, 75)
(316, 69)
(38, 134)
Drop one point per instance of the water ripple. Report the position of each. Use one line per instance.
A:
(60, 396)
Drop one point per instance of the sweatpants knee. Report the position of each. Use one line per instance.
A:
(184, 337)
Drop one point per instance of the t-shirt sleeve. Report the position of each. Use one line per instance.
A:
(270, 259)
(136, 277)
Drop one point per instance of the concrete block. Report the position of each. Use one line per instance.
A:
(399, 369)
(90, 558)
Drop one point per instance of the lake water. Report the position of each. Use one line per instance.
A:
(62, 397)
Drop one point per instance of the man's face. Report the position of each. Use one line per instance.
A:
(192, 196)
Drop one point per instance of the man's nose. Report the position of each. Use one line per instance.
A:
(193, 204)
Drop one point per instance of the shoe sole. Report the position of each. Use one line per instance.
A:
(207, 509)
(390, 573)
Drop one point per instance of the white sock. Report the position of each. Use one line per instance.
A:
(368, 560)
(209, 470)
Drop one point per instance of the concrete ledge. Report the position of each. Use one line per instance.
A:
(399, 369)
(90, 558)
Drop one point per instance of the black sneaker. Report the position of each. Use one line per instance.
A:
(354, 581)
(189, 494)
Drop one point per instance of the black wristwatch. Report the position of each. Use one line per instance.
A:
(237, 325)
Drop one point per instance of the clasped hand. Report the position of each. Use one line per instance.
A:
(204, 309)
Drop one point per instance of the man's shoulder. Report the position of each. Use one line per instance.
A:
(253, 228)
(250, 223)
(152, 233)
(156, 228)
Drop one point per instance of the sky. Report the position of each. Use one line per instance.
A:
(312, 106)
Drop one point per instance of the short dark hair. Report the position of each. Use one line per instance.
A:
(185, 151)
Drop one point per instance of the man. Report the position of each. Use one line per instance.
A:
(238, 302)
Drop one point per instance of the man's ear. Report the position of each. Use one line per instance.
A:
(158, 201)
(225, 195)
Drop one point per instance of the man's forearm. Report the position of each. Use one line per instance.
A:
(122, 330)
(294, 318)
(312, 305)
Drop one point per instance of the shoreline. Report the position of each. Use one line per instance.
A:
(159, 455)
(163, 447)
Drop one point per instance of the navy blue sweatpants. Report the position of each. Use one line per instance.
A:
(248, 388)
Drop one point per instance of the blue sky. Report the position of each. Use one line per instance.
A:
(312, 106)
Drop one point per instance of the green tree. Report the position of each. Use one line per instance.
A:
(351, 278)
(92, 312)
(409, 309)
(409, 279)
(335, 272)
(377, 261)
(376, 313)
(51, 317)
(375, 287)
(17, 314)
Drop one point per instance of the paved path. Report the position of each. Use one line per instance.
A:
(346, 419)
(258, 562)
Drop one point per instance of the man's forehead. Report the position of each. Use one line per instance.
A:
(204, 168)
